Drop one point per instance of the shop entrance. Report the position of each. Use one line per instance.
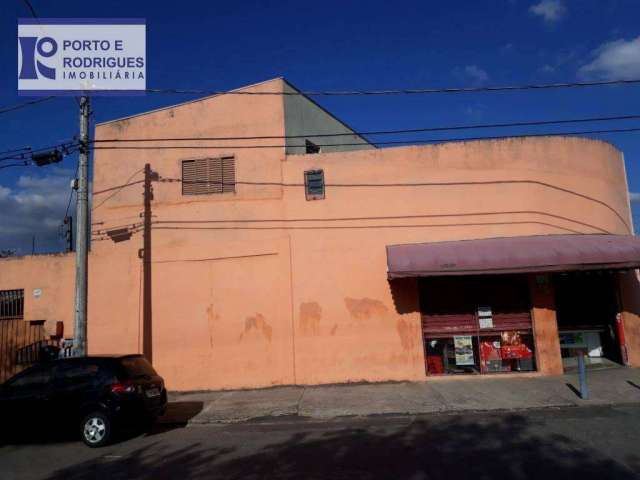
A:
(477, 324)
(586, 308)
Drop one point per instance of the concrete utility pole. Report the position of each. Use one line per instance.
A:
(82, 233)
(147, 315)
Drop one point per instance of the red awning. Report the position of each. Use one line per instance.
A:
(544, 253)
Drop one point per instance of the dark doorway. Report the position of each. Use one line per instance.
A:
(586, 307)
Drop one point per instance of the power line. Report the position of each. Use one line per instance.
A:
(360, 227)
(384, 132)
(21, 164)
(21, 153)
(16, 151)
(375, 218)
(118, 187)
(404, 91)
(30, 7)
(104, 236)
(24, 104)
(117, 190)
(420, 184)
(71, 190)
(27, 162)
(394, 142)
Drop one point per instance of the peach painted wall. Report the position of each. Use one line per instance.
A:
(53, 275)
(348, 326)
(264, 288)
(221, 309)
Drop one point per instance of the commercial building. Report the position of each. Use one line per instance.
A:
(316, 259)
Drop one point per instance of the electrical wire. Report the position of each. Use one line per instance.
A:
(382, 132)
(118, 189)
(376, 218)
(393, 142)
(25, 104)
(71, 190)
(361, 227)
(404, 91)
(66, 147)
(30, 7)
(16, 150)
(22, 164)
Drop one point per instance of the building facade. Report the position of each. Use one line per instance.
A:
(275, 261)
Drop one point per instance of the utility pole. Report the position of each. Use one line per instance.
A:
(82, 234)
(147, 327)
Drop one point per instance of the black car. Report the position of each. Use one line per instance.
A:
(97, 395)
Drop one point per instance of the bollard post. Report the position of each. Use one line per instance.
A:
(582, 373)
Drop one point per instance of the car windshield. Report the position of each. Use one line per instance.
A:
(137, 367)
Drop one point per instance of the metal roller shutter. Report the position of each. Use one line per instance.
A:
(449, 304)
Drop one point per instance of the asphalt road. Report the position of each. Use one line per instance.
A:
(571, 443)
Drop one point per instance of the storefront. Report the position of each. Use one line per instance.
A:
(587, 308)
(478, 314)
(476, 324)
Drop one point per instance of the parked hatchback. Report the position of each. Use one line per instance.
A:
(95, 395)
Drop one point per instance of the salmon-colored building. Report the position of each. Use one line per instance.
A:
(308, 259)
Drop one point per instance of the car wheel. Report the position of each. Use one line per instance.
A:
(96, 429)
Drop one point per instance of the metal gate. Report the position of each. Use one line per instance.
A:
(20, 341)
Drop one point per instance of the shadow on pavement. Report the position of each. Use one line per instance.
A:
(481, 447)
(574, 390)
(633, 384)
(177, 415)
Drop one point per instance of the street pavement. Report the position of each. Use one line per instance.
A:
(502, 392)
(593, 442)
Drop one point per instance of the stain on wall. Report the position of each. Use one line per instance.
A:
(310, 316)
(212, 317)
(409, 333)
(365, 308)
(258, 324)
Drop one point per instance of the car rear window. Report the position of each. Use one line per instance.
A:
(37, 377)
(137, 367)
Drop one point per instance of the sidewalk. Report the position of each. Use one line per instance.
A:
(610, 386)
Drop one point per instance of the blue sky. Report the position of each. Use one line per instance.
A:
(335, 46)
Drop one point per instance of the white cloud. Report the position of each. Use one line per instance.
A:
(475, 74)
(551, 11)
(634, 196)
(619, 59)
(34, 206)
(547, 68)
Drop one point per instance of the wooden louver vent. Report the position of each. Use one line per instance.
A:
(205, 176)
